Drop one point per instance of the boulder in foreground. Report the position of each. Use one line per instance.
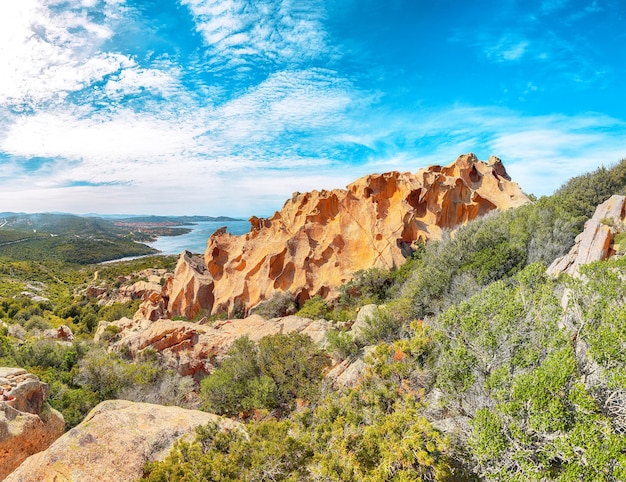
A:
(114, 442)
(27, 423)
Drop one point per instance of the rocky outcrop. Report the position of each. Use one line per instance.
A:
(184, 294)
(63, 334)
(139, 285)
(27, 423)
(319, 239)
(195, 349)
(350, 371)
(114, 442)
(595, 243)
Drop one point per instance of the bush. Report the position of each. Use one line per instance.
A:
(389, 322)
(269, 451)
(143, 380)
(73, 403)
(341, 344)
(42, 353)
(229, 391)
(38, 323)
(315, 308)
(366, 286)
(281, 369)
(282, 303)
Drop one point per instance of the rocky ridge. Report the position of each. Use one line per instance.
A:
(319, 239)
(195, 349)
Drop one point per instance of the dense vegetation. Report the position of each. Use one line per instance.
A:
(476, 367)
(478, 371)
(41, 295)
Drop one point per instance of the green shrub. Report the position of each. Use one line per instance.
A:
(281, 369)
(315, 308)
(388, 323)
(341, 344)
(73, 403)
(282, 303)
(269, 451)
(228, 389)
(37, 322)
(42, 353)
(366, 286)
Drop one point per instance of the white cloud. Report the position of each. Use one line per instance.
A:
(45, 54)
(160, 148)
(137, 80)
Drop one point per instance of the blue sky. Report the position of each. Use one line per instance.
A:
(226, 107)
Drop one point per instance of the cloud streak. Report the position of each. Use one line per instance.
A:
(239, 33)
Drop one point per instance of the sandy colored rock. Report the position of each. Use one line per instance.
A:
(319, 239)
(184, 294)
(27, 423)
(114, 442)
(595, 242)
(192, 348)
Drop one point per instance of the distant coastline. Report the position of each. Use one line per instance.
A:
(196, 240)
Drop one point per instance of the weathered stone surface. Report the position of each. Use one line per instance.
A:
(184, 294)
(62, 333)
(114, 442)
(319, 239)
(594, 243)
(349, 372)
(27, 424)
(365, 314)
(192, 348)
(138, 285)
(122, 326)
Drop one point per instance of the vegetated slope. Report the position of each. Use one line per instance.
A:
(67, 238)
(38, 297)
(475, 342)
(472, 375)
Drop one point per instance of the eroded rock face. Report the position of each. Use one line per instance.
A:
(319, 239)
(114, 442)
(194, 349)
(184, 294)
(595, 243)
(27, 423)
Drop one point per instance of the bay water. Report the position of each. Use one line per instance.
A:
(196, 240)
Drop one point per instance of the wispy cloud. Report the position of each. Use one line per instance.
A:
(257, 104)
(242, 33)
(507, 49)
(47, 54)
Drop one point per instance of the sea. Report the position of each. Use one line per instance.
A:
(196, 240)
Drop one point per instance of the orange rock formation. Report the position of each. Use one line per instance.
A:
(319, 239)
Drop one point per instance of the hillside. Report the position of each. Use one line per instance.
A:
(467, 361)
(87, 239)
